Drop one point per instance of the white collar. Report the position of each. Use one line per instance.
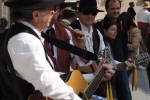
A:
(85, 29)
(33, 28)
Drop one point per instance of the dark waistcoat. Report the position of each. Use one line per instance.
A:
(6, 81)
(63, 57)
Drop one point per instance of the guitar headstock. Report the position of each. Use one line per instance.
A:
(107, 55)
(142, 60)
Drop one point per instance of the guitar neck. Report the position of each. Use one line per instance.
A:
(94, 83)
(99, 75)
(121, 66)
(142, 59)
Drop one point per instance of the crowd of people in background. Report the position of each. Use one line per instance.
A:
(41, 66)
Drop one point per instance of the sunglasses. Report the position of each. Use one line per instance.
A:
(86, 12)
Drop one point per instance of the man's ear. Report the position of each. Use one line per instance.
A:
(35, 15)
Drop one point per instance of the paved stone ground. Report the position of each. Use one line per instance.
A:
(143, 91)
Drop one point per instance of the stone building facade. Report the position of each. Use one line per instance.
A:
(4, 11)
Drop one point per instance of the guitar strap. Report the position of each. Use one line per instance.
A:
(95, 41)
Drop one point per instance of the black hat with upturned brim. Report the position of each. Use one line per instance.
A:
(32, 4)
(90, 5)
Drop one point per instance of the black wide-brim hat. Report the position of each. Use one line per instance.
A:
(32, 4)
(90, 5)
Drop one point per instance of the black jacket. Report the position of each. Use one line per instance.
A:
(132, 12)
(119, 44)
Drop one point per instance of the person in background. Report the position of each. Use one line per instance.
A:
(143, 22)
(110, 30)
(68, 16)
(131, 10)
(60, 58)
(109, 34)
(135, 47)
(134, 35)
(118, 46)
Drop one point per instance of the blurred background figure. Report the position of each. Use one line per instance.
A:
(134, 35)
(3, 24)
(134, 41)
(131, 9)
(143, 21)
(68, 16)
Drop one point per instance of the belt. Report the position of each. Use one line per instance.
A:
(142, 25)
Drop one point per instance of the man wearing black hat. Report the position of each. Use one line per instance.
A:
(87, 12)
(25, 48)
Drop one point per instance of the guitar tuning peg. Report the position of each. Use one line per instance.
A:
(147, 55)
(137, 56)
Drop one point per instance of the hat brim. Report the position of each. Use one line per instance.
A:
(146, 6)
(89, 9)
(68, 11)
(32, 4)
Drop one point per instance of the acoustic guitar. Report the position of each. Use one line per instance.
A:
(81, 87)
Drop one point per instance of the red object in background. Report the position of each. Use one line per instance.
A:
(149, 31)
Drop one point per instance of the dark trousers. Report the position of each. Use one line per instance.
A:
(144, 33)
(122, 86)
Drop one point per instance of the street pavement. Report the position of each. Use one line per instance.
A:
(143, 90)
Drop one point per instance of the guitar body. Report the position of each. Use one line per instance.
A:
(37, 95)
(76, 81)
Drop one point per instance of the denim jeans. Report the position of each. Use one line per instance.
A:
(122, 85)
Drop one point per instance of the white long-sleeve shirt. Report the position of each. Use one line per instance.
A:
(89, 47)
(29, 61)
(143, 16)
(89, 39)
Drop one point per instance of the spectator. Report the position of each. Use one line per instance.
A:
(131, 9)
(68, 16)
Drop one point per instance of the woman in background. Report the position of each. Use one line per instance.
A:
(134, 35)
(134, 39)
(109, 33)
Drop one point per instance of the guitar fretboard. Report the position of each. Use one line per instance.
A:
(94, 83)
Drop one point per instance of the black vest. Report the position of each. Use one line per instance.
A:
(6, 83)
(76, 25)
